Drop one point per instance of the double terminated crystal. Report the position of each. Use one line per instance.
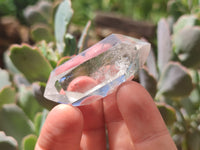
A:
(107, 64)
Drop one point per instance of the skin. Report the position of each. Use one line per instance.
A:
(129, 114)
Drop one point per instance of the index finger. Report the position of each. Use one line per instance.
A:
(144, 122)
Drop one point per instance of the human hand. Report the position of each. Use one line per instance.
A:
(131, 117)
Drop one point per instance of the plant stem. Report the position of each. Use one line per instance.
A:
(197, 81)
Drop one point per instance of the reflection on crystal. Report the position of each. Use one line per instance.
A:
(105, 66)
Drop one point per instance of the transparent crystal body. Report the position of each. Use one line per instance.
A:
(110, 62)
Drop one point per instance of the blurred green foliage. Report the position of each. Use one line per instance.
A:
(151, 10)
(137, 9)
(15, 7)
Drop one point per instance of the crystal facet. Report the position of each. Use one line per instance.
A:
(106, 65)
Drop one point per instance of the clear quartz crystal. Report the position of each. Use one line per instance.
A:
(108, 63)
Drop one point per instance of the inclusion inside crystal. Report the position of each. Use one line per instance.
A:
(107, 64)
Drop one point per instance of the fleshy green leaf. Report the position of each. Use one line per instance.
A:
(41, 32)
(62, 18)
(164, 44)
(34, 16)
(7, 96)
(14, 122)
(28, 102)
(175, 81)
(168, 113)
(20, 80)
(38, 13)
(29, 142)
(7, 142)
(40, 120)
(37, 123)
(188, 106)
(187, 46)
(46, 7)
(82, 42)
(5, 79)
(151, 64)
(30, 62)
(70, 45)
(38, 90)
(148, 81)
(47, 50)
(185, 21)
(8, 63)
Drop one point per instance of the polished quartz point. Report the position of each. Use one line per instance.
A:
(104, 66)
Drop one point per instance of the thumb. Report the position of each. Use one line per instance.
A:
(62, 129)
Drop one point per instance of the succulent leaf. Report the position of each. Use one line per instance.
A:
(70, 45)
(7, 142)
(188, 106)
(39, 13)
(175, 81)
(38, 90)
(46, 7)
(148, 81)
(41, 32)
(28, 102)
(34, 16)
(14, 122)
(20, 80)
(30, 62)
(7, 95)
(82, 42)
(187, 46)
(151, 64)
(62, 17)
(5, 79)
(8, 63)
(185, 21)
(47, 50)
(164, 44)
(37, 123)
(40, 120)
(29, 142)
(168, 113)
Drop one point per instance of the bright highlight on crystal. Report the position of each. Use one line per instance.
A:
(104, 66)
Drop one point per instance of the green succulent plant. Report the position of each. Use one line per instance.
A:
(173, 78)
(23, 108)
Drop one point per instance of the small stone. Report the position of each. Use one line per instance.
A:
(98, 70)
